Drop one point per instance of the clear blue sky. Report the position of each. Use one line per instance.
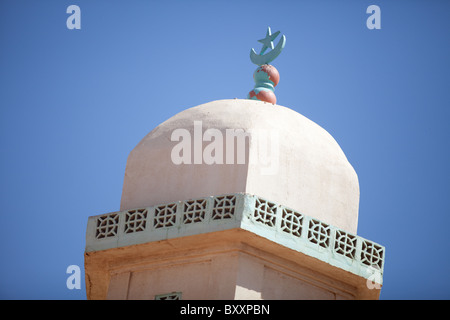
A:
(74, 103)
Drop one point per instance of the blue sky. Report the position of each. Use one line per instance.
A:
(74, 103)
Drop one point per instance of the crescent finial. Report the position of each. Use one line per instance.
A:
(266, 76)
(261, 58)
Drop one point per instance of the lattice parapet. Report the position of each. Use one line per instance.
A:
(107, 226)
(314, 237)
(169, 296)
(265, 218)
(164, 221)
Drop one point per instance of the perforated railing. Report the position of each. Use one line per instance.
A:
(313, 233)
(169, 296)
(205, 210)
(266, 218)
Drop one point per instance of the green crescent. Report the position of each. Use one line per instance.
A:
(268, 57)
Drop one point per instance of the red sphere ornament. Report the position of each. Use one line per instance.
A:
(263, 95)
(266, 78)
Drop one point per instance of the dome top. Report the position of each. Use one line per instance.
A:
(248, 146)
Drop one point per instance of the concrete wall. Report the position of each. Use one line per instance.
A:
(232, 264)
(232, 275)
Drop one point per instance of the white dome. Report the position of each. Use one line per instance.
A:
(305, 169)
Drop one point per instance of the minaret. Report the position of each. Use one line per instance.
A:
(235, 199)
